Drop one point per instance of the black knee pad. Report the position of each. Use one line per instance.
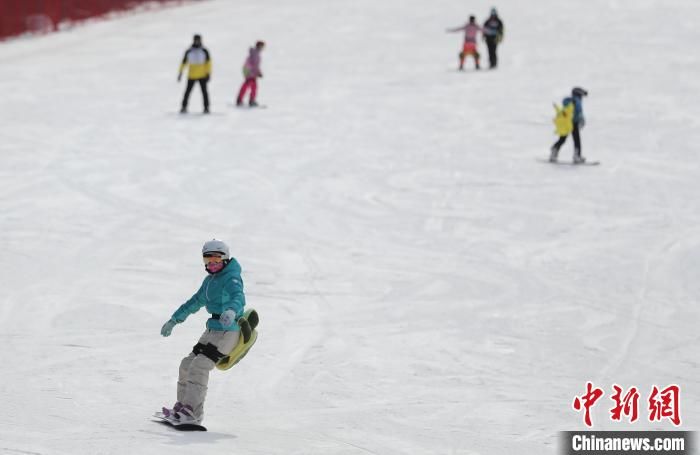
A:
(209, 351)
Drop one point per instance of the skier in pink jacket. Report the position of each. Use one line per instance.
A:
(471, 30)
(251, 72)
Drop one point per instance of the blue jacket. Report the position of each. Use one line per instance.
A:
(578, 108)
(219, 292)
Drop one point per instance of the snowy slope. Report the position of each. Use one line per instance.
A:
(425, 286)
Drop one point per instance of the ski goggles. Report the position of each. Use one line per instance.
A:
(213, 258)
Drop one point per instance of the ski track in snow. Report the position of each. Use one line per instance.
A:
(424, 285)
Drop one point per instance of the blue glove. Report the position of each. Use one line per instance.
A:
(168, 328)
(227, 318)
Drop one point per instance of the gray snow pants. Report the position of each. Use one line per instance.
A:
(194, 370)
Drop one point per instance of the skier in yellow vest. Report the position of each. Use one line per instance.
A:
(570, 120)
(199, 71)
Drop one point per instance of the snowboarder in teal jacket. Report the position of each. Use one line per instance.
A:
(222, 296)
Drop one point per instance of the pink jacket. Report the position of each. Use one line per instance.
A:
(470, 32)
(251, 67)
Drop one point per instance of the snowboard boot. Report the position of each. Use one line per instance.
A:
(186, 415)
(553, 154)
(170, 413)
(578, 159)
(206, 110)
(239, 103)
(253, 104)
(183, 110)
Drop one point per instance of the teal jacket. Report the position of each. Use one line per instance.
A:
(219, 292)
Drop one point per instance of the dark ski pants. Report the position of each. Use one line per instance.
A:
(492, 44)
(576, 134)
(188, 90)
(250, 83)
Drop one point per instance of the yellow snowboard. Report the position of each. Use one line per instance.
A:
(242, 347)
(564, 119)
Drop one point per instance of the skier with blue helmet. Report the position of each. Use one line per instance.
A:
(574, 105)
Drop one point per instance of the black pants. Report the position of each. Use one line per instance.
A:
(205, 95)
(492, 44)
(576, 134)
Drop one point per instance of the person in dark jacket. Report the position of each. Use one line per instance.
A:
(493, 35)
(199, 71)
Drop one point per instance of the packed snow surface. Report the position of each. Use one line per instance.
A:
(425, 285)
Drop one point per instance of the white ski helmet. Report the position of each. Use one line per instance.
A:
(215, 246)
